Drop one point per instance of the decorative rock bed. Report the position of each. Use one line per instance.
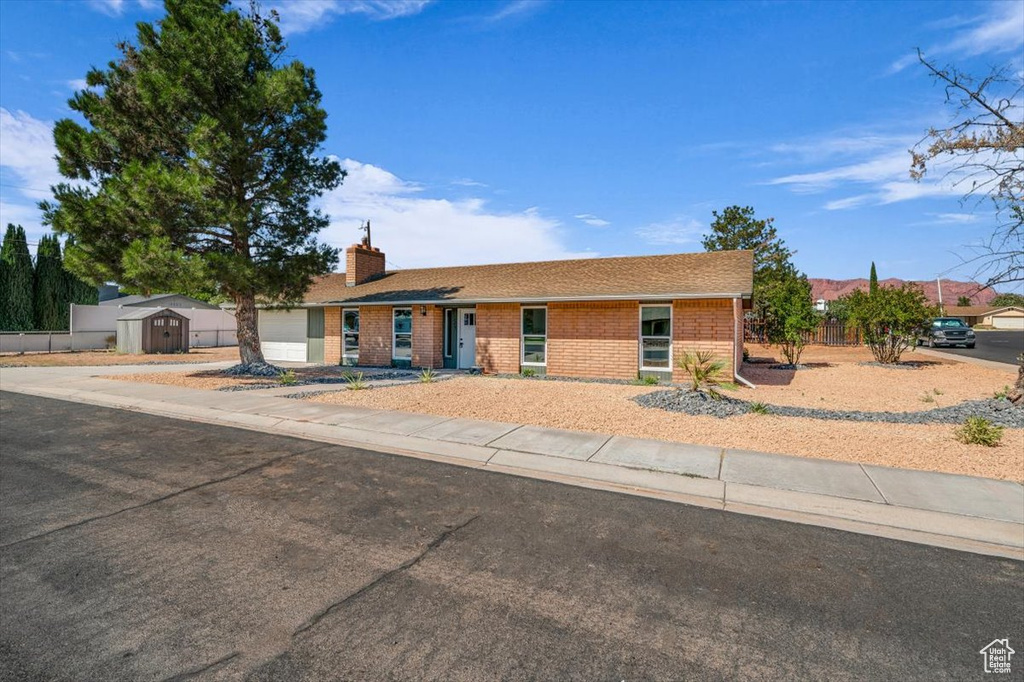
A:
(382, 375)
(999, 412)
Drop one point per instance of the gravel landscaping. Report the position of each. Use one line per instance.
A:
(999, 412)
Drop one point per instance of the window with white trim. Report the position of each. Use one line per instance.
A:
(534, 336)
(656, 337)
(350, 336)
(401, 346)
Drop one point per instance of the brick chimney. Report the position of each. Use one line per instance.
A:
(363, 263)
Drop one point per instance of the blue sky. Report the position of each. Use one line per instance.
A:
(485, 132)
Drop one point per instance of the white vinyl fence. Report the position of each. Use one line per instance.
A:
(95, 327)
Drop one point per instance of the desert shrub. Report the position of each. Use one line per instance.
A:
(529, 372)
(355, 381)
(287, 377)
(758, 407)
(889, 319)
(927, 398)
(427, 375)
(789, 314)
(706, 372)
(979, 431)
(1003, 393)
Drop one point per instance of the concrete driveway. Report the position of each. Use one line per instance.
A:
(994, 346)
(134, 547)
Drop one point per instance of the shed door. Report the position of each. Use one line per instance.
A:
(315, 335)
(165, 335)
(283, 335)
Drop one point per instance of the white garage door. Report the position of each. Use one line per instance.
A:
(1007, 322)
(283, 335)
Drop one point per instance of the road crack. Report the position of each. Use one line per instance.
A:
(162, 498)
(384, 577)
(189, 674)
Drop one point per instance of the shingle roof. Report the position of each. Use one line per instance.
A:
(683, 275)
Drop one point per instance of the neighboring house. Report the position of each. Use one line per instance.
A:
(600, 317)
(1006, 317)
(159, 301)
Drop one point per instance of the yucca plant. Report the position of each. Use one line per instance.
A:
(427, 375)
(705, 371)
(355, 382)
(758, 407)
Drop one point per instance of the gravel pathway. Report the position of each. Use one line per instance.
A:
(999, 412)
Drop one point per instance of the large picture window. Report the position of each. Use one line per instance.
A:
(401, 348)
(535, 336)
(350, 337)
(656, 337)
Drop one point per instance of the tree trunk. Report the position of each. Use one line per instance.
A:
(248, 330)
(1017, 394)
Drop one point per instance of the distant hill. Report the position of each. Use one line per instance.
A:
(831, 289)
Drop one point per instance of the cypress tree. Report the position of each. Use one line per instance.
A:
(4, 324)
(873, 282)
(49, 297)
(17, 299)
(76, 290)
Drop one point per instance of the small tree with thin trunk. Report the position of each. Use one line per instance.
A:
(891, 319)
(197, 169)
(790, 315)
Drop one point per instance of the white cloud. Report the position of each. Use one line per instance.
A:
(299, 16)
(591, 219)
(1000, 29)
(516, 8)
(419, 231)
(78, 84)
(675, 232)
(115, 8)
(955, 218)
(28, 152)
(889, 165)
(467, 182)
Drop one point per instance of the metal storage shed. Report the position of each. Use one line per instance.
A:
(152, 330)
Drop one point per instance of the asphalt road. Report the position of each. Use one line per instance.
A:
(134, 547)
(995, 346)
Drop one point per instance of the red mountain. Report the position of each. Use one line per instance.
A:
(831, 289)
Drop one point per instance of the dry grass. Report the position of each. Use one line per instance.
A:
(100, 358)
(604, 408)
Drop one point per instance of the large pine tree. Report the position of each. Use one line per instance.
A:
(198, 166)
(50, 288)
(17, 290)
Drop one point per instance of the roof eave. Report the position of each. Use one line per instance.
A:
(526, 299)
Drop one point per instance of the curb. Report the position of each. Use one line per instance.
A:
(978, 535)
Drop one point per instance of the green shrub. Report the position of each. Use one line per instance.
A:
(889, 318)
(427, 375)
(789, 314)
(705, 372)
(1002, 394)
(287, 377)
(355, 381)
(979, 431)
(758, 407)
(529, 372)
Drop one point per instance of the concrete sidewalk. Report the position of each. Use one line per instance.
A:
(960, 512)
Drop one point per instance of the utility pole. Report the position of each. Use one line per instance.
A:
(938, 280)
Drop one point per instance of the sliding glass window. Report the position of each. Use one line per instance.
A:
(402, 340)
(656, 337)
(535, 336)
(350, 336)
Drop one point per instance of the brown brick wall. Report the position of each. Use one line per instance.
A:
(497, 337)
(427, 335)
(375, 327)
(332, 335)
(593, 339)
(703, 324)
